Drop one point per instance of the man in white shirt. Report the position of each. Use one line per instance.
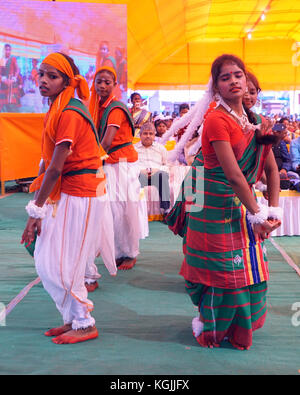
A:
(153, 164)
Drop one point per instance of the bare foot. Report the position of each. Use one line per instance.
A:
(119, 261)
(76, 336)
(92, 286)
(210, 344)
(59, 331)
(127, 264)
(238, 346)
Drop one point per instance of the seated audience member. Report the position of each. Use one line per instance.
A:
(183, 109)
(284, 163)
(295, 154)
(297, 130)
(153, 164)
(139, 114)
(286, 122)
(160, 128)
(169, 120)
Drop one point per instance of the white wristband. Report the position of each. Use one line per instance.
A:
(275, 213)
(260, 217)
(260, 186)
(35, 211)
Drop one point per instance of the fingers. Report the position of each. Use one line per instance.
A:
(38, 227)
(264, 230)
(33, 226)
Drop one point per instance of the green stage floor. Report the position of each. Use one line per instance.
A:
(143, 315)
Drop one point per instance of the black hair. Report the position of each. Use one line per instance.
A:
(265, 139)
(183, 106)
(132, 96)
(281, 120)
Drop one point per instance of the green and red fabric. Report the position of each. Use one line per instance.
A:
(103, 122)
(78, 106)
(229, 314)
(219, 246)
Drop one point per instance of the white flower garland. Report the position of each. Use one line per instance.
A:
(192, 120)
(35, 211)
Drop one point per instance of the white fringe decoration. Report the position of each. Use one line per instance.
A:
(197, 326)
(76, 325)
(192, 119)
(275, 213)
(35, 211)
(260, 217)
(260, 186)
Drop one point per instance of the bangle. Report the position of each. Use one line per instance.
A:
(275, 213)
(35, 211)
(260, 217)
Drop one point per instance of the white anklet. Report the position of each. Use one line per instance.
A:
(35, 211)
(197, 326)
(83, 324)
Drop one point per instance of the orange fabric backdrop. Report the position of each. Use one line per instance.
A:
(20, 145)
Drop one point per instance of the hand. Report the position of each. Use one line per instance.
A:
(263, 230)
(33, 225)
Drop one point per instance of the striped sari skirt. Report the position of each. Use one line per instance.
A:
(229, 314)
(225, 266)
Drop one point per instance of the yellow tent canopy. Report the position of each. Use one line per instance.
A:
(172, 43)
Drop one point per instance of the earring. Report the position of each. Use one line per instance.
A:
(217, 97)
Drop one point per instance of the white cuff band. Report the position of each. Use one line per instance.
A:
(275, 213)
(260, 217)
(260, 186)
(35, 211)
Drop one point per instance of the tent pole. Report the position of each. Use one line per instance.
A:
(189, 70)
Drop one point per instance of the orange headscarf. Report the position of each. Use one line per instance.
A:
(78, 83)
(94, 101)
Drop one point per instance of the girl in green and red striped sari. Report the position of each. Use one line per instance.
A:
(222, 225)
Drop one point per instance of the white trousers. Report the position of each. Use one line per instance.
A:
(128, 209)
(62, 251)
(105, 246)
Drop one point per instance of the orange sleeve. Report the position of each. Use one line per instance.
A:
(216, 128)
(69, 123)
(116, 117)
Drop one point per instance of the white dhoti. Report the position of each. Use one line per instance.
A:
(105, 246)
(128, 209)
(62, 252)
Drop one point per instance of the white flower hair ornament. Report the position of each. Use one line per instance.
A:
(192, 120)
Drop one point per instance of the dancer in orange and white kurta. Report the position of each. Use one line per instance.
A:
(71, 212)
(115, 128)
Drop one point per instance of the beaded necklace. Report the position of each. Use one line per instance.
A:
(242, 119)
